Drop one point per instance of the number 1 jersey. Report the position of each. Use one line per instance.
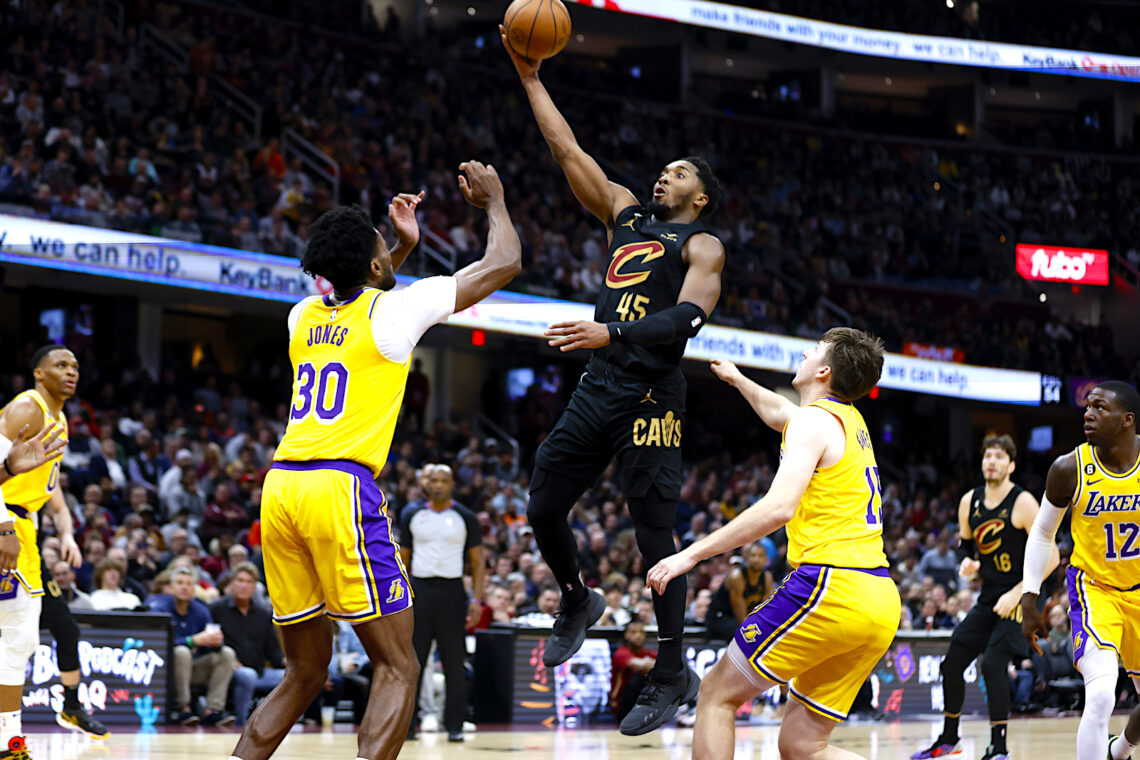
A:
(350, 366)
(839, 520)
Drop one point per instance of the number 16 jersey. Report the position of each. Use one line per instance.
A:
(350, 366)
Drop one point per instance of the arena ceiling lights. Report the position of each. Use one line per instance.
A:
(881, 44)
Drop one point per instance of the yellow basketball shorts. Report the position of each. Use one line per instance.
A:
(1105, 617)
(328, 545)
(28, 565)
(822, 632)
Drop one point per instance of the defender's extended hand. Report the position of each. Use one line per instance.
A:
(570, 336)
(481, 186)
(668, 569)
(28, 454)
(402, 215)
(726, 371)
(525, 66)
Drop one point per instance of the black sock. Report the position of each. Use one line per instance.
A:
(950, 730)
(575, 592)
(71, 698)
(997, 737)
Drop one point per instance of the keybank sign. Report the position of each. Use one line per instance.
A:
(110, 253)
(32, 242)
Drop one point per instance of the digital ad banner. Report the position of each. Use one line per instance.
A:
(123, 667)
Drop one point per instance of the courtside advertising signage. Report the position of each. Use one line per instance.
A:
(34, 242)
(881, 44)
(1077, 266)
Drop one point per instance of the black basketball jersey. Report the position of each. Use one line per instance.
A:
(1000, 544)
(753, 592)
(645, 275)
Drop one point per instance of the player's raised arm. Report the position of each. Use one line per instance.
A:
(502, 260)
(1060, 485)
(773, 408)
(805, 443)
(603, 198)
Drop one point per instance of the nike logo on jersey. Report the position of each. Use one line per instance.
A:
(1093, 482)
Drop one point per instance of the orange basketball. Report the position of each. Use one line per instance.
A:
(537, 29)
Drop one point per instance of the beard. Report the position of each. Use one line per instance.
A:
(662, 211)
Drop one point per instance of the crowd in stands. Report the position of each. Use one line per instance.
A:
(102, 132)
(164, 484)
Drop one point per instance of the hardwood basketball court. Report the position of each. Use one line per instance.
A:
(1029, 739)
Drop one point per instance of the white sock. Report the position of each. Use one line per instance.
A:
(1121, 748)
(9, 727)
(1099, 669)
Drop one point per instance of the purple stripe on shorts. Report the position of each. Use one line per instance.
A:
(341, 465)
(1079, 620)
(380, 550)
(793, 600)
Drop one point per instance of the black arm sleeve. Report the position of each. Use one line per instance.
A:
(681, 321)
(965, 548)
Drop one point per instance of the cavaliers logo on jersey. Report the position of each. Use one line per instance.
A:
(988, 535)
(616, 279)
(750, 632)
(395, 591)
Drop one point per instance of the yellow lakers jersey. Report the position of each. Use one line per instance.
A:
(840, 517)
(1106, 521)
(32, 490)
(346, 394)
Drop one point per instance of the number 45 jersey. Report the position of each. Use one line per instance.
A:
(350, 365)
(839, 521)
(1106, 522)
(644, 276)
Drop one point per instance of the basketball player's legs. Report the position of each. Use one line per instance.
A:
(567, 462)
(1121, 747)
(970, 637)
(19, 635)
(728, 685)
(395, 673)
(308, 649)
(805, 735)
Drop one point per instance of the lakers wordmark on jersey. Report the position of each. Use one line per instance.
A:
(1106, 521)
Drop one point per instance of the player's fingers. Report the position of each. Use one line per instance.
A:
(558, 325)
(20, 435)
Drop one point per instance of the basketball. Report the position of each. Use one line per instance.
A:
(537, 29)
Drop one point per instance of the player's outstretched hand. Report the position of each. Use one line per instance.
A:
(969, 567)
(667, 569)
(27, 454)
(726, 371)
(525, 66)
(402, 215)
(481, 186)
(1032, 622)
(570, 336)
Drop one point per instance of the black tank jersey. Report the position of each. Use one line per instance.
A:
(1000, 544)
(645, 274)
(753, 593)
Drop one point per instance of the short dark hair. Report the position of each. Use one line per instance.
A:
(1003, 442)
(341, 245)
(1125, 394)
(709, 180)
(42, 353)
(856, 360)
